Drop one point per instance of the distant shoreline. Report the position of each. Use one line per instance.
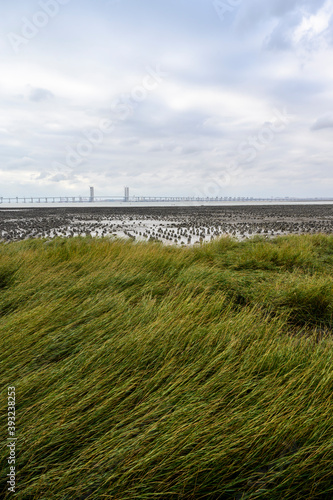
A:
(136, 204)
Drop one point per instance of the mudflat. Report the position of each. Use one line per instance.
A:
(170, 225)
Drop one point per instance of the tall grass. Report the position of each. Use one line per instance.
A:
(152, 372)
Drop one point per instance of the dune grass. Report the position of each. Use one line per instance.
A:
(152, 372)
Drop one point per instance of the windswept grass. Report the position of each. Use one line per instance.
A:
(151, 372)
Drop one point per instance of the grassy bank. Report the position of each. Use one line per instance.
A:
(152, 372)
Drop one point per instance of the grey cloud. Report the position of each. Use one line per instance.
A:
(38, 95)
(281, 36)
(329, 31)
(190, 150)
(22, 162)
(298, 89)
(254, 12)
(279, 8)
(323, 122)
(58, 178)
(168, 146)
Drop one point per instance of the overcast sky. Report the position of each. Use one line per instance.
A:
(174, 97)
